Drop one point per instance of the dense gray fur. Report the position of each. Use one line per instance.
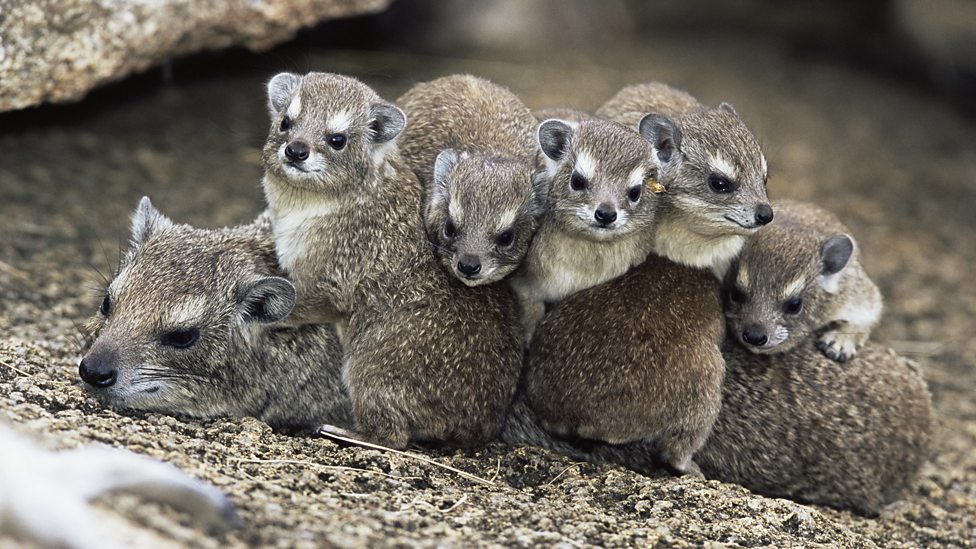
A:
(805, 254)
(482, 207)
(225, 284)
(633, 361)
(795, 425)
(572, 249)
(696, 225)
(425, 356)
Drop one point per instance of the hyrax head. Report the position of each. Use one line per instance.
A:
(598, 174)
(327, 131)
(784, 286)
(482, 213)
(713, 170)
(172, 333)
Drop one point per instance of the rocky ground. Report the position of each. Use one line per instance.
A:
(895, 164)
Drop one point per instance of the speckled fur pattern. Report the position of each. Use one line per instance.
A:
(176, 276)
(490, 186)
(633, 361)
(426, 358)
(796, 425)
(783, 261)
(569, 253)
(696, 226)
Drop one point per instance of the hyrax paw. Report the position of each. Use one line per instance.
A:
(838, 346)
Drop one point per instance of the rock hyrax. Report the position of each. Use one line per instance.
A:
(711, 166)
(472, 144)
(426, 358)
(798, 276)
(187, 327)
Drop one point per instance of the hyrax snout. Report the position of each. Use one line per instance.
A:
(186, 327)
(801, 276)
(471, 143)
(425, 357)
(711, 166)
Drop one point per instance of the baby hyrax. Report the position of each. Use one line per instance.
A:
(426, 358)
(797, 276)
(633, 362)
(794, 425)
(472, 144)
(186, 327)
(712, 169)
(599, 215)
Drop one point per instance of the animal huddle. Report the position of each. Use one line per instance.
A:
(454, 268)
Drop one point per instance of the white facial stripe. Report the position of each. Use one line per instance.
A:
(295, 107)
(794, 288)
(187, 311)
(636, 177)
(585, 164)
(765, 166)
(743, 275)
(507, 219)
(455, 211)
(718, 163)
(340, 121)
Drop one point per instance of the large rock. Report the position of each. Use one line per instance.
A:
(57, 50)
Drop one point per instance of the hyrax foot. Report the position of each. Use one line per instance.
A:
(838, 345)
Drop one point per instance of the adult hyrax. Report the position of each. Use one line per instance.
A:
(798, 276)
(599, 215)
(634, 361)
(472, 144)
(794, 425)
(711, 166)
(425, 356)
(187, 327)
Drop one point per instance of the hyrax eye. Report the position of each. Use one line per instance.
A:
(634, 193)
(577, 182)
(720, 184)
(450, 231)
(180, 339)
(337, 141)
(793, 306)
(106, 307)
(736, 295)
(285, 123)
(505, 238)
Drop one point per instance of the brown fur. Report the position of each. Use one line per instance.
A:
(426, 357)
(634, 360)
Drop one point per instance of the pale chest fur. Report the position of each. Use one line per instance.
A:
(561, 264)
(294, 231)
(677, 242)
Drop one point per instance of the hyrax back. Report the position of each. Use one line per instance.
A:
(186, 327)
(425, 357)
(599, 214)
(797, 276)
(794, 425)
(712, 167)
(472, 143)
(633, 361)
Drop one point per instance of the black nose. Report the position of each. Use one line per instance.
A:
(98, 371)
(296, 151)
(754, 335)
(764, 214)
(469, 265)
(605, 214)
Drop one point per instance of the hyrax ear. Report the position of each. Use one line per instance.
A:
(554, 136)
(663, 134)
(727, 107)
(835, 254)
(281, 88)
(147, 221)
(267, 299)
(385, 122)
(444, 165)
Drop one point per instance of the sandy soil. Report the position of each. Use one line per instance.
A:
(896, 166)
